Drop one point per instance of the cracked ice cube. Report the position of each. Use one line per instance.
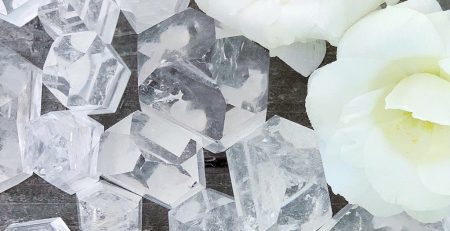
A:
(216, 88)
(154, 158)
(62, 148)
(19, 12)
(85, 74)
(61, 17)
(52, 224)
(207, 210)
(278, 179)
(20, 101)
(353, 217)
(141, 18)
(104, 206)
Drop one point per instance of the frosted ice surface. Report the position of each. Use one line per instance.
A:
(19, 12)
(52, 224)
(154, 158)
(20, 101)
(62, 148)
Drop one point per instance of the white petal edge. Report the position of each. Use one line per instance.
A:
(304, 58)
(423, 6)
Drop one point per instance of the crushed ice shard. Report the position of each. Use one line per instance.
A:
(52, 224)
(143, 14)
(154, 158)
(216, 88)
(207, 210)
(20, 101)
(62, 17)
(19, 12)
(62, 148)
(85, 74)
(278, 179)
(353, 217)
(104, 206)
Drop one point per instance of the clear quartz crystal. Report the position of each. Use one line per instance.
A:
(20, 101)
(104, 206)
(61, 17)
(216, 88)
(154, 158)
(52, 224)
(19, 12)
(143, 14)
(62, 148)
(353, 217)
(278, 179)
(85, 74)
(207, 210)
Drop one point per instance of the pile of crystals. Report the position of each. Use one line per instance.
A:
(198, 89)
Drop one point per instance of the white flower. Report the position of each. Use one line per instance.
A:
(294, 30)
(382, 112)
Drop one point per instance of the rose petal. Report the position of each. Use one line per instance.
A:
(423, 6)
(395, 177)
(441, 21)
(333, 86)
(302, 57)
(351, 182)
(426, 96)
(392, 34)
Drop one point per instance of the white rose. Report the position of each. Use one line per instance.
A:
(294, 30)
(382, 112)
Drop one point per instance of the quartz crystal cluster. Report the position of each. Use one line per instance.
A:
(278, 180)
(207, 210)
(153, 158)
(216, 88)
(143, 14)
(62, 17)
(353, 217)
(62, 148)
(103, 206)
(52, 224)
(20, 101)
(19, 12)
(85, 74)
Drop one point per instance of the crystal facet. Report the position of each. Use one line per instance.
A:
(19, 12)
(20, 101)
(278, 179)
(154, 158)
(107, 207)
(85, 74)
(141, 17)
(61, 17)
(208, 210)
(353, 217)
(62, 148)
(216, 88)
(52, 224)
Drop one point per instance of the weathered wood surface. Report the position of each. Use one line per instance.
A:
(36, 199)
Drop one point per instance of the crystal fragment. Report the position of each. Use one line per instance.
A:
(154, 158)
(20, 101)
(208, 210)
(216, 88)
(85, 74)
(353, 217)
(62, 148)
(106, 207)
(61, 17)
(141, 18)
(19, 12)
(278, 179)
(52, 224)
